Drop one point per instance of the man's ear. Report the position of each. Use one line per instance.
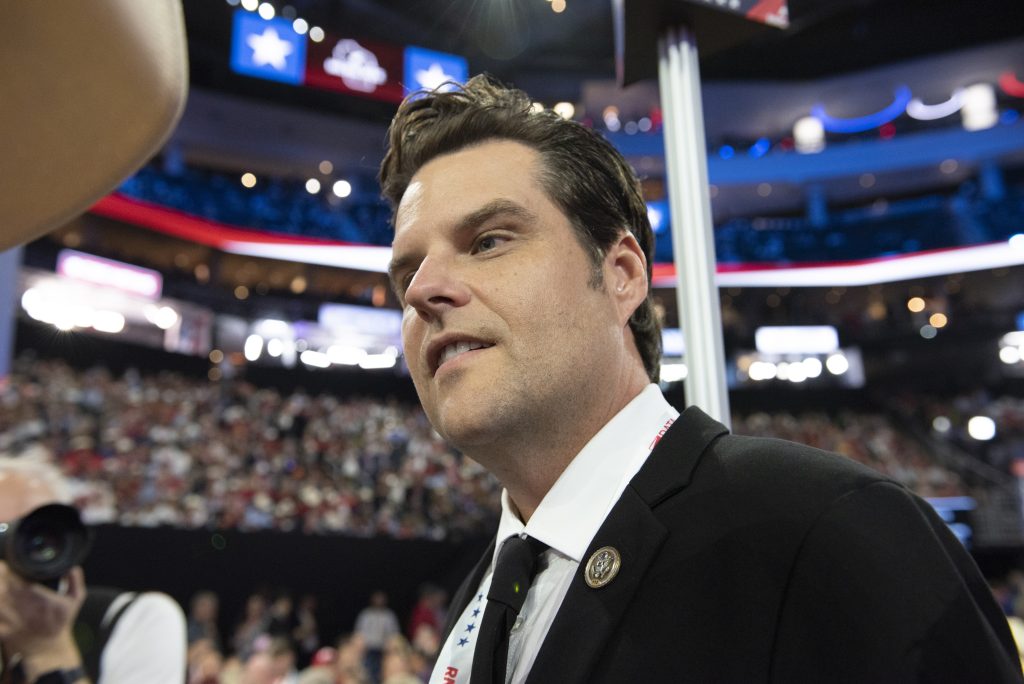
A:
(626, 275)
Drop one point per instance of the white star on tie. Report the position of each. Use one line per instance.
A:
(268, 48)
(432, 77)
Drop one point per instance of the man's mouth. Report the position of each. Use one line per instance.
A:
(456, 349)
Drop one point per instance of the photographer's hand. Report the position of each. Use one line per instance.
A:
(36, 622)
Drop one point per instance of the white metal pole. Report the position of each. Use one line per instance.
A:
(10, 263)
(700, 316)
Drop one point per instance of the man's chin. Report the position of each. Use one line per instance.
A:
(466, 427)
(463, 435)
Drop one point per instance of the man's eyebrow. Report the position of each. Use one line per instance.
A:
(469, 222)
(498, 207)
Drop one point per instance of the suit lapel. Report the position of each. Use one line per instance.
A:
(670, 466)
(466, 591)
(588, 617)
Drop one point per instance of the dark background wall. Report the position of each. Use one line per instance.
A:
(340, 571)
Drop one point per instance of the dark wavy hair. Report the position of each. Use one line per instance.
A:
(582, 174)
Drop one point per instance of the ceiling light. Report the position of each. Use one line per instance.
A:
(901, 97)
(979, 107)
(837, 364)
(981, 428)
(566, 110)
(916, 109)
(809, 135)
(342, 188)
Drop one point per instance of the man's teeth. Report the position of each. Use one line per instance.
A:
(456, 348)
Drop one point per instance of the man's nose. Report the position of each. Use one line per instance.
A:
(436, 288)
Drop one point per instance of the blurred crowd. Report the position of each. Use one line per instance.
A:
(869, 438)
(967, 217)
(279, 205)
(165, 449)
(950, 420)
(1009, 593)
(276, 641)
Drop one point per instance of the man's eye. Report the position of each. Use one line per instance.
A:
(406, 282)
(488, 242)
(401, 286)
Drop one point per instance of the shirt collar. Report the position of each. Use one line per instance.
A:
(573, 510)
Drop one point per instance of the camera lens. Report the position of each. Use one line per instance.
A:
(42, 548)
(45, 544)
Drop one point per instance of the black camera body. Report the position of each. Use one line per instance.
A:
(45, 544)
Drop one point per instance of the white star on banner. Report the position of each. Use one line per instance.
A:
(432, 77)
(269, 48)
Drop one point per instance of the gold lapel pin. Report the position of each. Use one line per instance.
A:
(602, 567)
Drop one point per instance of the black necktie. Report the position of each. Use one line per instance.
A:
(517, 564)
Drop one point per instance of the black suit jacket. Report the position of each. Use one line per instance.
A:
(758, 560)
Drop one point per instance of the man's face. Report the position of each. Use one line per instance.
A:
(501, 328)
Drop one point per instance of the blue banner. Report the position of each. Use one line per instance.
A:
(427, 69)
(269, 49)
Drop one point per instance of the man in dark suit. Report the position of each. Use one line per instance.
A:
(635, 544)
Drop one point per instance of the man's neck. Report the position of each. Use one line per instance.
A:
(528, 466)
(530, 479)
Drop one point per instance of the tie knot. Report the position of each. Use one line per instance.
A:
(514, 571)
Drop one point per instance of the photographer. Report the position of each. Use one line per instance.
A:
(126, 638)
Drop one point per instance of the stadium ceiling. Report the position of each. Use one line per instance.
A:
(549, 54)
(757, 88)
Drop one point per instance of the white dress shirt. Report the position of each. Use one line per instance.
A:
(567, 520)
(148, 643)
